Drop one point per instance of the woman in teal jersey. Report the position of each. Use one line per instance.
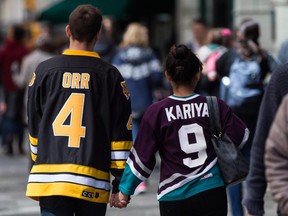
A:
(178, 128)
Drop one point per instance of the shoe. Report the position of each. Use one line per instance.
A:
(141, 188)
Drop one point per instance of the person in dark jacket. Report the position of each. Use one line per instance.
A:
(256, 182)
(247, 48)
(276, 157)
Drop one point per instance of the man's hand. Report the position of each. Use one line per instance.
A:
(119, 200)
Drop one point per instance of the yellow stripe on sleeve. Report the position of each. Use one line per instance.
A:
(33, 156)
(118, 164)
(121, 145)
(33, 140)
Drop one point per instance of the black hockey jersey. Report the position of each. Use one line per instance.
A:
(79, 126)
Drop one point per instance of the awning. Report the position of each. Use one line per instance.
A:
(59, 12)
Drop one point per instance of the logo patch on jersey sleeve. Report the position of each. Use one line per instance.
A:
(32, 80)
(125, 90)
(129, 123)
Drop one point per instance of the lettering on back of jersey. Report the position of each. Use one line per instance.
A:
(76, 80)
(186, 111)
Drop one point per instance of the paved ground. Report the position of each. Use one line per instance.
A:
(13, 177)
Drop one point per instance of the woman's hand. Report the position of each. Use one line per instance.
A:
(119, 200)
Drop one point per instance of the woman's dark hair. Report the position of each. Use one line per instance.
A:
(19, 32)
(250, 30)
(85, 21)
(182, 64)
(249, 46)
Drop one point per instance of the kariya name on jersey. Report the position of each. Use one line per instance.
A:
(187, 111)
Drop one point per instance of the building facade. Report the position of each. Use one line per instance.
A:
(271, 14)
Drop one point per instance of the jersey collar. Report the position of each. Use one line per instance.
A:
(184, 98)
(81, 53)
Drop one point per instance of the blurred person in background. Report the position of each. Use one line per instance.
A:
(141, 68)
(11, 56)
(106, 46)
(259, 64)
(276, 157)
(44, 49)
(283, 52)
(219, 41)
(256, 182)
(200, 31)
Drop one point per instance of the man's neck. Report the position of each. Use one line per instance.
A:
(76, 45)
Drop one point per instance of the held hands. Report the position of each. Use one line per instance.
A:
(119, 200)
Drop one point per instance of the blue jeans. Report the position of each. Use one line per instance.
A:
(11, 129)
(235, 192)
(136, 125)
(46, 213)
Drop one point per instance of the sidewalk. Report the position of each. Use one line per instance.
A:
(13, 202)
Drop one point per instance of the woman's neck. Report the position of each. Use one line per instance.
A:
(183, 91)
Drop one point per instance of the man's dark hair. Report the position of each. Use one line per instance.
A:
(84, 22)
(199, 20)
(19, 32)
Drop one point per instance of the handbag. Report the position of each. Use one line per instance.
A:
(233, 165)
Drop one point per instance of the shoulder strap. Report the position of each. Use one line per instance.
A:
(214, 117)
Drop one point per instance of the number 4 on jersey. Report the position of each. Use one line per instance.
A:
(74, 130)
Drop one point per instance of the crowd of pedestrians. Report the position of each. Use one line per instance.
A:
(96, 95)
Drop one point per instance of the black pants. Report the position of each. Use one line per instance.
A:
(208, 203)
(67, 206)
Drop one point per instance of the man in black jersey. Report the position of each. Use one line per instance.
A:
(79, 124)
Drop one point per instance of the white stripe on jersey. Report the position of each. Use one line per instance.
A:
(130, 163)
(33, 149)
(83, 180)
(139, 162)
(120, 155)
(189, 177)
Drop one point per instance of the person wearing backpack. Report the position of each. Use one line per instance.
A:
(220, 40)
(244, 70)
